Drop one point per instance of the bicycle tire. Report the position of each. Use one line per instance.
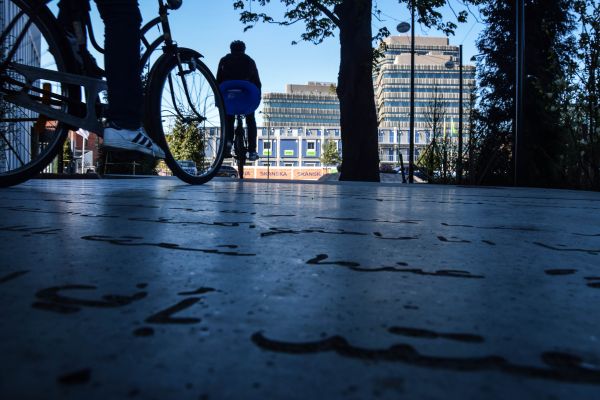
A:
(240, 150)
(51, 36)
(161, 120)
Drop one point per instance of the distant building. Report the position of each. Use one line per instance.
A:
(297, 124)
(17, 136)
(301, 105)
(432, 78)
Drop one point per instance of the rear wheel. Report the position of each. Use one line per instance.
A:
(185, 115)
(28, 140)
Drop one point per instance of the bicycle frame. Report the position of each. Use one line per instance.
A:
(93, 87)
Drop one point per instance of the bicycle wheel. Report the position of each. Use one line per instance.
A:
(185, 115)
(240, 150)
(28, 140)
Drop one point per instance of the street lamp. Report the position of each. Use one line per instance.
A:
(518, 143)
(459, 161)
(270, 144)
(403, 27)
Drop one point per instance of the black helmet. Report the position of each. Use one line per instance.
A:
(174, 4)
(237, 46)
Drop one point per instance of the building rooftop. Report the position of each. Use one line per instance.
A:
(404, 40)
(321, 88)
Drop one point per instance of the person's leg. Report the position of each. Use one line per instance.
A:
(70, 11)
(122, 20)
(122, 37)
(251, 124)
(72, 17)
(229, 126)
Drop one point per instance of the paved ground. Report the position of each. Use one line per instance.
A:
(153, 289)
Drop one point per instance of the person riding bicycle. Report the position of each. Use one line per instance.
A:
(122, 42)
(237, 65)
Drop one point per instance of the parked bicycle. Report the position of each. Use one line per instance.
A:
(241, 98)
(41, 90)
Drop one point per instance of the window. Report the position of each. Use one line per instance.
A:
(390, 154)
(311, 148)
(267, 148)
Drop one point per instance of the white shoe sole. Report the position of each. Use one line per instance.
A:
(122, 144)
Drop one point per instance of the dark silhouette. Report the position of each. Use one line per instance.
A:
(237, 65)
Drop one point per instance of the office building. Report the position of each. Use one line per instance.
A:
(435, 78)
(297, 124)
(314, 104)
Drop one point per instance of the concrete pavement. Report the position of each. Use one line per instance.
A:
(154, 289)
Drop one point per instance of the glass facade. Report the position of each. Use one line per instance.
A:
(436, 87)
(313, 104)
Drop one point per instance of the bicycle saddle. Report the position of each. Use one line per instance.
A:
(240, 97)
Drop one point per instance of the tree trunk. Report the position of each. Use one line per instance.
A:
(358, 116)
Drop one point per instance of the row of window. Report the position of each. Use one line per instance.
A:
(333, 104)
(301, 132)
(422, 75)
(301, 120)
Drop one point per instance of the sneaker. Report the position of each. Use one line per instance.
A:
(253, 156)
(135, 140)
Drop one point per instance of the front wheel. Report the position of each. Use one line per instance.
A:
(186, 116)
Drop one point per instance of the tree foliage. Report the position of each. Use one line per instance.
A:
(187, 142)
(580, 97)
(330, 154)
(547, 47)
(434, 158)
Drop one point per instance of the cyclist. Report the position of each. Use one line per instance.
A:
(237, 65)
(122, 42)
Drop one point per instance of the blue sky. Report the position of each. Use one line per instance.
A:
(208, 26)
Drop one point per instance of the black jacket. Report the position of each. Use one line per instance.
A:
(238, 66)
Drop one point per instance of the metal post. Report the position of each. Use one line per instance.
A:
(411, 138)
(83, 155)
(519, 156)
(459, 159)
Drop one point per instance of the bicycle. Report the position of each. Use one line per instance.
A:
(241, 98)
(40, 95)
